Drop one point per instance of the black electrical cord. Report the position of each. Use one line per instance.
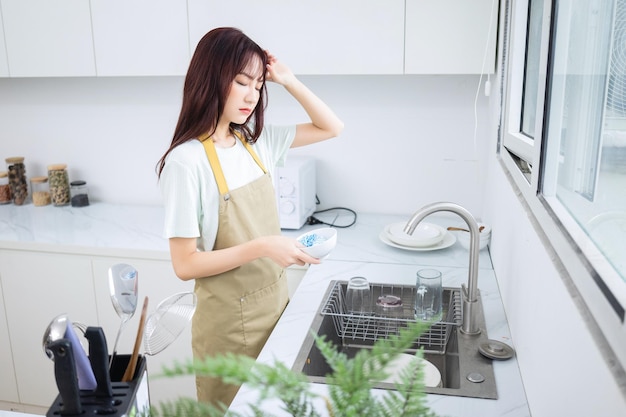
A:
(314, 220)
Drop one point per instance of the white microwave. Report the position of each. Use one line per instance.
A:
(295, 191)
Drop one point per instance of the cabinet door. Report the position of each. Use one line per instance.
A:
(451, 36)
(48, 38)
(314, 37)
(4, 65)
(141, 37)
(8, 385)
(38, 287)
(156, 280)
(295, 274)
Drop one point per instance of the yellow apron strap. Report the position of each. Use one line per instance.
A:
(209, 148)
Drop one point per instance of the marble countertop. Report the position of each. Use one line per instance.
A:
(119, 230)
(102, 229)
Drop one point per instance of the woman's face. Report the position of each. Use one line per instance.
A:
(244, 93)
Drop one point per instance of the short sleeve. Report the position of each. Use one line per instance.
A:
(180, 190)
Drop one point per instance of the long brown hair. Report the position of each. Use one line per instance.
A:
(220, 56)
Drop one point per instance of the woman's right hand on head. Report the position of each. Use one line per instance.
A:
(285, 251)
(278, 72)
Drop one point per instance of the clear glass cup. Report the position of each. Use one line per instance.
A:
(389, 305)
(428, 295)
(358, 297)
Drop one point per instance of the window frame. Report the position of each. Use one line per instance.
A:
(589, 283)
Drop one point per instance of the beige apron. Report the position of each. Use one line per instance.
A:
(238, 309)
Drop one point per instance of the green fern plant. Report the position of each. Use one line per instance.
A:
(349, 385)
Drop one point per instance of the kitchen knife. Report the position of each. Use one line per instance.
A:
(99, 358)
(86, 378)
(65, 375)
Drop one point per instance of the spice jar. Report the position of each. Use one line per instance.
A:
(5, 188)
(78, 191)
(40, 192)
(59, 184)
(17, 179)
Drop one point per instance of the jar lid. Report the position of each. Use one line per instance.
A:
(78, 183)
(57, 167)
(15, 160)
(39, 179)
(3, 174)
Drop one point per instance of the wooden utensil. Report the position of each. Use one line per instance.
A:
(132, 364)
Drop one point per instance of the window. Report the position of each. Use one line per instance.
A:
(585, 158)
(531, 68)
(565, 139)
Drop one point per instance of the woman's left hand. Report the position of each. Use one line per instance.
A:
(277, 71)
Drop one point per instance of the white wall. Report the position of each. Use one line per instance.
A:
(562, 366)
(563, 370)
(408, 141)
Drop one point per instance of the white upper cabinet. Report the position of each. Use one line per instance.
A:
(140, 37)
(4, 65)
(313, 37)
(48, 38)
(451, 36)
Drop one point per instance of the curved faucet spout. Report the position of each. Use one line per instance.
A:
(470, 294)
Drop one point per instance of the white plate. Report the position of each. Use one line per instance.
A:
(432, 376)
(425, 234)
(448, 240)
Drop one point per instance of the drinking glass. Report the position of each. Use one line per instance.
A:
(428, 295)
(358, 298)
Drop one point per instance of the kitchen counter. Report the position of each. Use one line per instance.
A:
(117, 230)
(360, 252)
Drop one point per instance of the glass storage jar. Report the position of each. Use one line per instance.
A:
(40, 191)
(17, 179)
(59, 184)
(5, 188)
(78, 191)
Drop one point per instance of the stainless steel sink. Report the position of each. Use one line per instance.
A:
(464, 371)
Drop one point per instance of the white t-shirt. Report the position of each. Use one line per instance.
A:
(189, 188)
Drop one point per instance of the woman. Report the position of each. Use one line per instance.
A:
(221, 216)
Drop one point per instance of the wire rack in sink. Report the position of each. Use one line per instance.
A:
(362, 330)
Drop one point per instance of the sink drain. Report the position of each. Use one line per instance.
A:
(475, 377)
(494, 349)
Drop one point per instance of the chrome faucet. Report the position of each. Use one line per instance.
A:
(469, 293)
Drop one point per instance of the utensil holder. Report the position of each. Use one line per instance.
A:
(129, 398)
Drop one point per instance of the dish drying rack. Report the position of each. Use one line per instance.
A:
(364, 329)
